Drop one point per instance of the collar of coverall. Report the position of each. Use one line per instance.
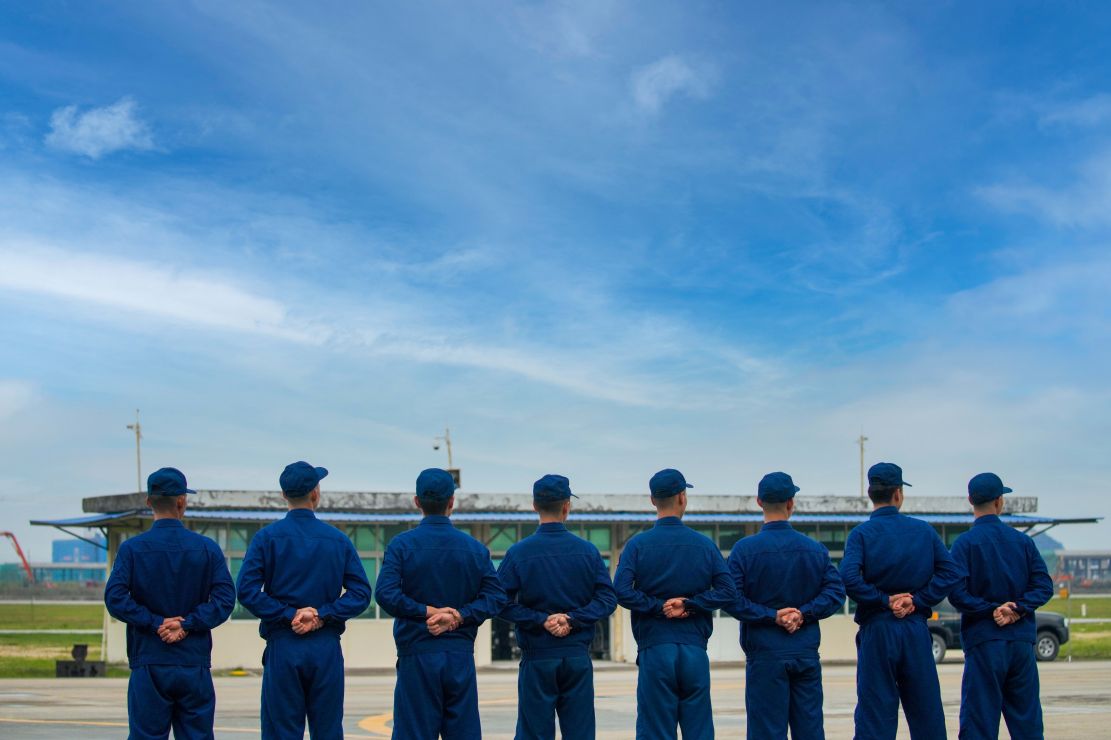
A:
(889, 510)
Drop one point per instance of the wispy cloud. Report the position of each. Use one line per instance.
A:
(1083, 202)
(14, 395)
(149, 289)
(99, 131)
(655, 84)
(1089, 112)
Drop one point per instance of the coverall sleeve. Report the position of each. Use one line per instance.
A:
(221, 596)
(118, 599)
(722, 591)
(624, 584)
(252, 578)
(388, 589)
(356, 590)
(602, 602)
(852, 574)
(829, 600)
(744, 608)
(961, 597)
(947, 574)
(1039, 586)
(514, 611)
(491, 596)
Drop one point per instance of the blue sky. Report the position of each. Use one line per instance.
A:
(595, 238)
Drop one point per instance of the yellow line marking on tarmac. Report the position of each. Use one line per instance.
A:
(376, 723)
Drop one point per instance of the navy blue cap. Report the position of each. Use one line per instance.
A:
(167, 482)
(776, 488)
(888, 475)
(986, 487)
(551, 488)
(435, 484)
(667, 483)
(299, 478)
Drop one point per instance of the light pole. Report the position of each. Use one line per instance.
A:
(860, 441)
(138, 428)
(446, 439)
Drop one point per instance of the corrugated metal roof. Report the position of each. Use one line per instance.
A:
(463, 517)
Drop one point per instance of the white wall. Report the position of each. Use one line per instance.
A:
(367, 643)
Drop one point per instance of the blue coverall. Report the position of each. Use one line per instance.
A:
(555, 572)
(297, 562)
(673, 687)
(1000, 670)
(169, 571)
(437, 565)
(891, 554)
(773, 570)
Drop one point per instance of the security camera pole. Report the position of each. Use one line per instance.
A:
(446, 439)
(138, 428)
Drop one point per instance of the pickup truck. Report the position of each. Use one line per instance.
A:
(945, 629)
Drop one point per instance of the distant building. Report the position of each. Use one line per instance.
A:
(370, 520)
(1085, 570)
(78, 551)
(92, 575)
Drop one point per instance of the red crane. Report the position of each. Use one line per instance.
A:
(22, 557)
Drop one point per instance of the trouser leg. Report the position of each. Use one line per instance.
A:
(575, 705)
(657, 693)
(877, 694)
(283, 694)
(1022, 704)
(324, 690)
(194, 702)
(805, 675)
(149, 710)
(919, 689)
(696, 715)
(982, 691)
(537, 694)
(418, 701)
(460, 714)
(767, 699)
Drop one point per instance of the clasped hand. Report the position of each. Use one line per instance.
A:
(306, 620)
(789, 618)
(676, 608)
(171, 630)
(441, 619)
(901, 604)
(559, 625)
(1005, 614)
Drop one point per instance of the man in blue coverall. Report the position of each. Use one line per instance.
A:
(172, 588)
(1007, 580)
(785, 584)
(439, 585)
(672, 579)
(559, 588)
(896, 569)
(303, 579)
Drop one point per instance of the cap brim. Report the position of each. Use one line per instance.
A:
(690, 485)
(321, 473)
(904, 483)
(189, 490)
(1007, 490)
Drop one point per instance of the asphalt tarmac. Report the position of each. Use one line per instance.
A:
(1076, 698)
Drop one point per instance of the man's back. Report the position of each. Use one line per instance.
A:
(555, 572)
(1002, 565)
(891, 554)
(300, 561)
(437, 565)
(780, 568)
(169, 571)
(672, 560)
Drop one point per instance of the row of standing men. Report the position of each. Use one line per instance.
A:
(303, 579)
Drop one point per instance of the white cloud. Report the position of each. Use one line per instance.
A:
(1086, 113)
(99, 131)
(14, 395)
(160, 291)
(656, 83)
(1085, 202)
